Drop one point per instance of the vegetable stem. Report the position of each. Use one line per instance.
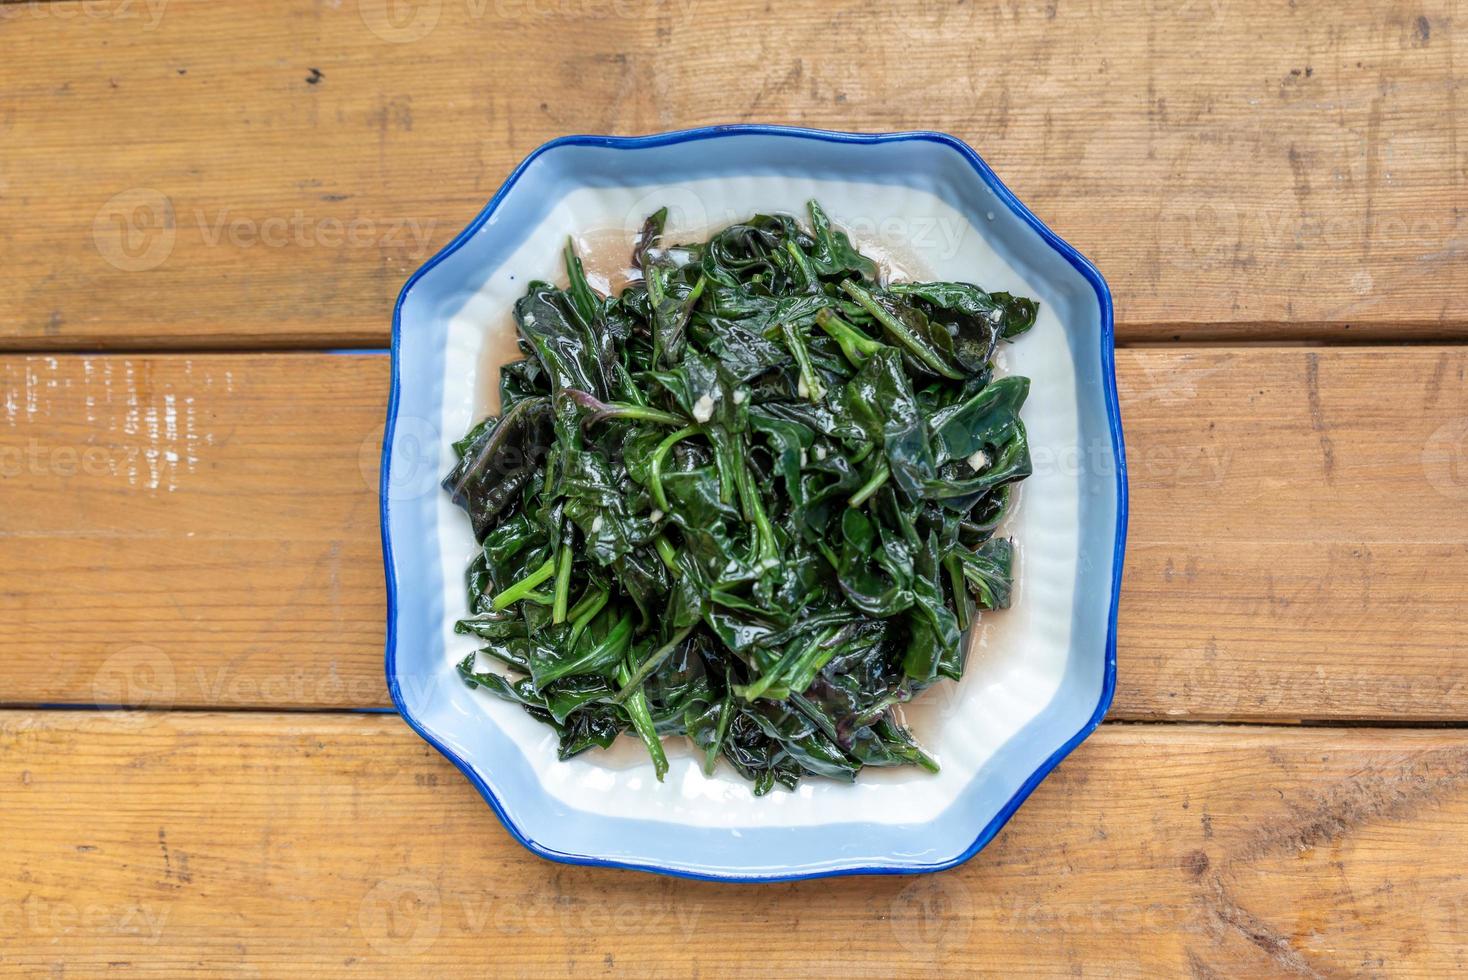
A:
(959, 587)
(809, 380)
(644, 670)
(525, 586)
(655, 464)
(641, 717)
(626, 410)
(587, 598)
(754, 511)
(728, 479)
(563, 584)
(856, 345)
(602, 410)
(803, 672)
(899, 331)
(879, 477)
(668, 555)
(596, 657)
(584, 613)
(775, 682)
(802, 263)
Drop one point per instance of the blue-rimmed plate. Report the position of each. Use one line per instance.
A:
(1040, 674)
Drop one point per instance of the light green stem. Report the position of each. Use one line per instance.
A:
(525, 586)
(655, 465)
(644, 670)
(584, 613)
(668, 555)
(879, 477)
(563, 584)
(899, 330)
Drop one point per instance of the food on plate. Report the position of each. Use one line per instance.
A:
(750, 501)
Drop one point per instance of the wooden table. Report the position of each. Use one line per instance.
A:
(200, 200)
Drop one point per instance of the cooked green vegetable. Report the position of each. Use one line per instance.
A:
(749, 501)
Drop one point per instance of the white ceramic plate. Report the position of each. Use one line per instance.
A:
(1039, 676)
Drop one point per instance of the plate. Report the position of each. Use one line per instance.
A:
(1040, 675)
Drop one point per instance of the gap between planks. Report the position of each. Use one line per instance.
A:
(367, 347)
(1221, 722)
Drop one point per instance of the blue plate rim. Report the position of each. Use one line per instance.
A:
(1108, 375)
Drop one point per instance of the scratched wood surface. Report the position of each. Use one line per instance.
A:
(194, 173)
(275, 845)
(1296, 549)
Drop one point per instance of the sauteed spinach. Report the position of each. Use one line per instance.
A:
(749, 501)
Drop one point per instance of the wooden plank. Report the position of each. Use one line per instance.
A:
(202, 531)
(192, 530)
(1299, 534)
(166, 841)
(1241, 169)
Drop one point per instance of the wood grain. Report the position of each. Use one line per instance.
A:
(267, 174)
(202, 531)
(273, 845)
(1299, 535)
(192, 530)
